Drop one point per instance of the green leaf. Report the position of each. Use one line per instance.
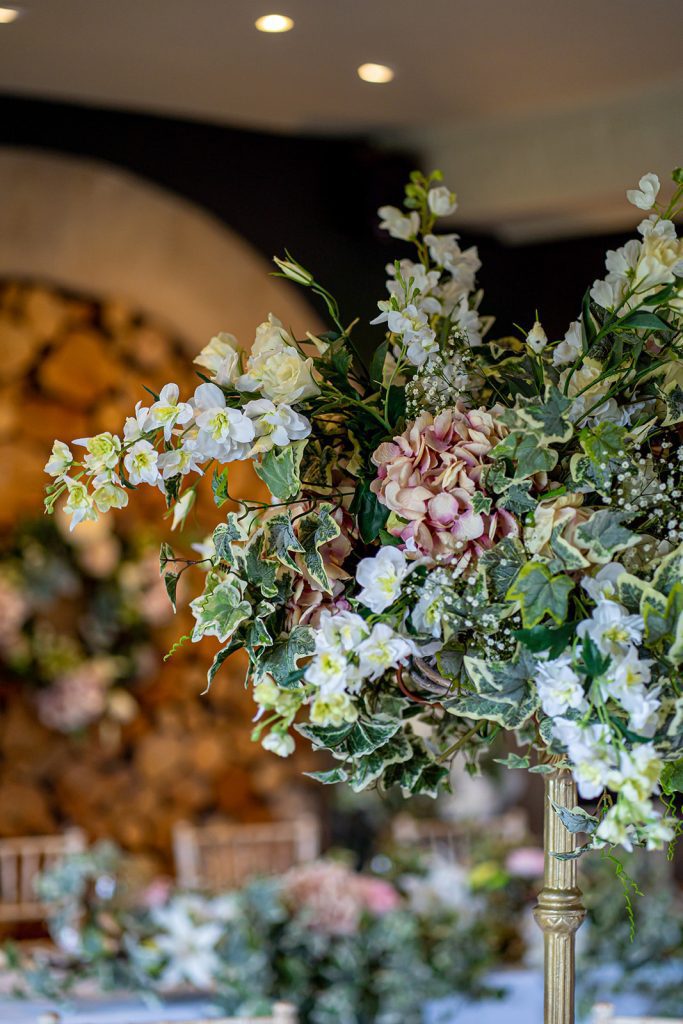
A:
(315, 529)
(642, 320)
(502, 563)
(419, 775)
(604, 535)
(282, 659)
(219, 486)
(171, 584)
(377, 363)
(257, 570)
(220, 609)
(225, 535)
(545, 638)
(370, 512)
(539, 593)
(367, 734)
(281, 540)
(369, 768)
(218, 660)
(328, 736)
(517, 499)
(279, 469)
(669, 571)
(596, 663)
(529, 454)
(576, 819)
(166, 555)
(601, 457)
(482, 502)
(549, 417)
(672, 777)
(329, 777)
(513, 761)
(542, 769)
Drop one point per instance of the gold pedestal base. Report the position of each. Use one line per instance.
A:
(559, 911)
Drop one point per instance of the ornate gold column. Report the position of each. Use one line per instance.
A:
(559, 911)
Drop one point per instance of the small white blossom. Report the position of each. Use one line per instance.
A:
(79, 504)
(537, 339)
(60, 459)
(221, 357)
(611, 629)
(104, 451)
(168, 412)
(108, 495)
(559, 686)
(182, 508)
(399, 225)
(645, 195)
(603, 584)
(141, 463)
(275, 424)
(441, 201)
(381, 578)
(383, 649)
(343, 631)
(280, 743)
(569, 350)
(224, 434)
(276, 368)
(135, 426)
(329, 671)
(180, 461)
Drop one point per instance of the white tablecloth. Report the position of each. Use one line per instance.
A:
(522, 1004)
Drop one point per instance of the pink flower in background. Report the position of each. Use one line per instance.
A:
(333, 898)
(156, 894)
(428, 477)
(78, 697)
(526, 862)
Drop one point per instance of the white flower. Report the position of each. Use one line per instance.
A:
(275, 424)
(168, 411)
(604, 294)
(613, 830)
(180, 461)
(221, 357)
(589, 753)
(188, 946)
(383, 650)
(658, 832)
(381, 578)
(79, 504)
(206, 549)
(416, 278)
(637, 776)
(559, 687)
(441, 201)
(603, 584)
(275, 367)
(657, 227)
(343, 631)
(104, 451)
(444, 250)
(644, 196)
(135, 426)
(224, 434)
(294, 271)
(329, 671)
(107, 495)
(280, 743)
(399, 225)
(611, 629)
(427, 614)
(60, 459)
(141, 463)
(569, 350)
(334, 709)
(537, 339)
(182, 508)
(468, 320)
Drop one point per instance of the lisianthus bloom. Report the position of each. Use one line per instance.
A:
(428, 477)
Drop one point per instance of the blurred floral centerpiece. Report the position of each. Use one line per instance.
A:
(466, 534)
(76, 615)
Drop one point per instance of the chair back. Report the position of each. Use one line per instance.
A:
(22, 859)
(443, 839)
(603, 1013)
(224, 856)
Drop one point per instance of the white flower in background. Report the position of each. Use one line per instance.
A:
(381, 578)
(427, 613)
(135, 426)
(622, 262)
(657, 227)
(329, 671)
(168, 412)
(141, 463)
(603, 584)
(280, 743)
(224, 433)
(569, 350)
(412, 323)
(658, 832)
(60, 459)
(559, 687)
(188, 946)
(611, 628)
(585, 389)
(206, 549)
(180, 462)
(275, 424)
(104, 451)
(276, 368)
(108, 495)
(645, 195)
(415, 278)
(605, 294)
(637, 777)
(614, 830)
(589, 752)
(344, 631)
(335, 709)
(444, 250)
(383, 649)
(399, 225)
(183, 507)
(221, 357)
(537, 339)
(441, 201)
(468, 320)
(79, 504)
(266, 694)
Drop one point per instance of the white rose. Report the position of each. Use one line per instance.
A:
(275, 367)
(222, 358)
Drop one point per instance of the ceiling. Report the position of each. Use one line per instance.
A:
(454, 59)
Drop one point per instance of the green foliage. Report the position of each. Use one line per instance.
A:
(315, 529)
(370, 512)
(279, 470)
(540, 594)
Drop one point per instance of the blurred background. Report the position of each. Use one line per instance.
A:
(154, 154)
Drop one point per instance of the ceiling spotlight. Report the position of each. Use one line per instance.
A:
(274, 23)
(379, 74)
(8, 15)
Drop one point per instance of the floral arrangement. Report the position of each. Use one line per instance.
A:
(465, 535)
(342, 946)
(76, 621)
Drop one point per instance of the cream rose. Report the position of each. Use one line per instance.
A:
(221, 357)
(275, 367)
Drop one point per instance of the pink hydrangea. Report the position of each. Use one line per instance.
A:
(333, 898)
(428, 477)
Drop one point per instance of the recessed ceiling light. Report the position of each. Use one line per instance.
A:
(8, 15)
(274, 23)
(379, 74)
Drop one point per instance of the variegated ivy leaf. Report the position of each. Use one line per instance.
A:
(529, 453)
(502, 563)
(576, 819)
(632, 591)
(225, 535)
(220, 609)
(315, 529)
(279, 470)
(419, 775)
(282, 659)
(603, 452)
(548, 419)
(570, 556)
(367, 769)
(510, 716)
(256, 570)
(330, 777)
(517, 499)
(604, 535)
(669, 571)
(281, 540)
(504, 692)
(540, 594)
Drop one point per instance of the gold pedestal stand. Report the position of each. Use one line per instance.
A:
(559, 911)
